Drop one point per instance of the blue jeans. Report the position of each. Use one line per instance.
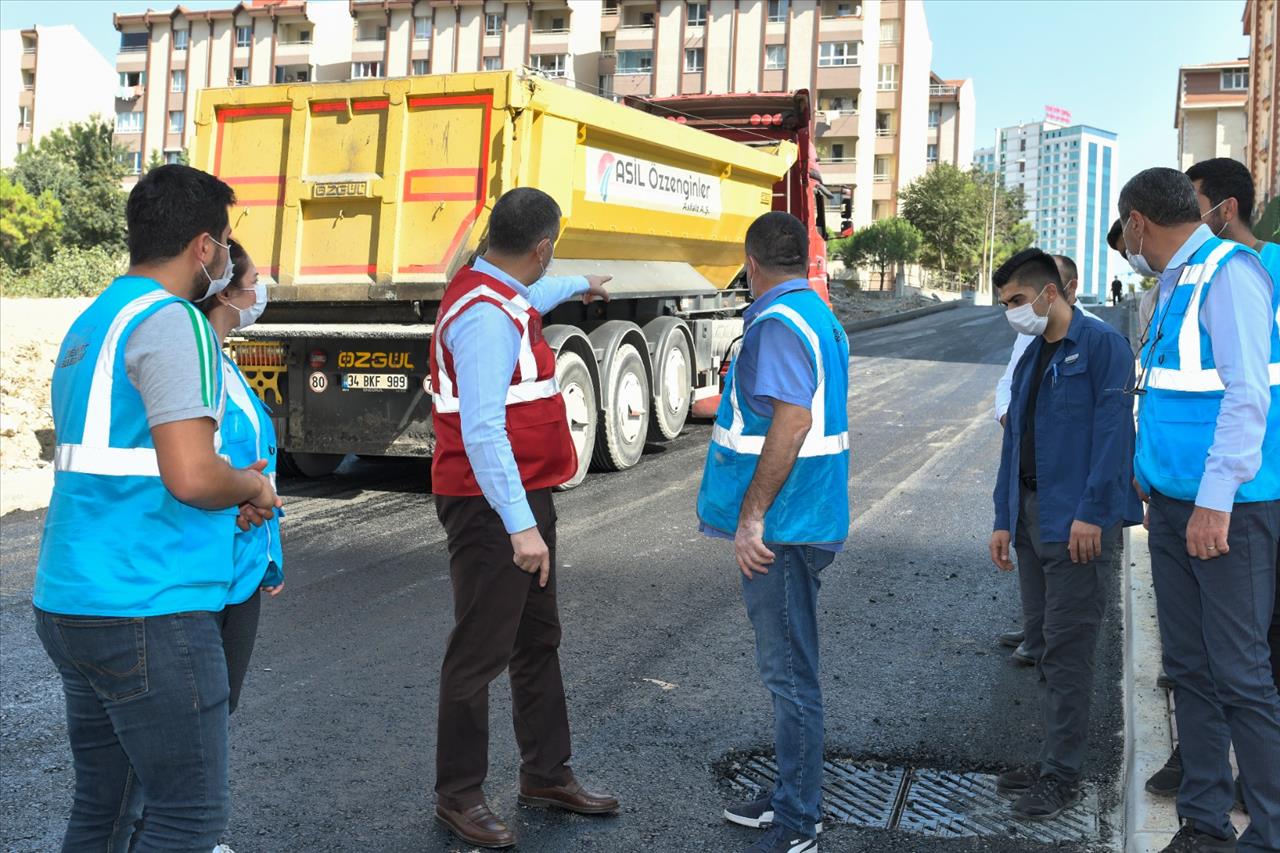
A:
(783, 607)
(147, 720)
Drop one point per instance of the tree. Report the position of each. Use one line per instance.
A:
(155, 161)
(30, 226)
(1012, 232)
(884, 243)
(82, 166)
(945, 207)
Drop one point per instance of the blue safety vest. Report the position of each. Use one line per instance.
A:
(813, 505)
(116, 542)
(1178, 414)
(245, 437)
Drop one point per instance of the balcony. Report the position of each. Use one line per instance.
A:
(837, 123)
(608, 62)
(885, 132)
(943, 91)
(129, 93)
(28, 62)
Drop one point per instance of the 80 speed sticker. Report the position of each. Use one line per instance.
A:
(318, 382)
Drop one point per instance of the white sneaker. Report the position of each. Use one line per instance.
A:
(222, 848)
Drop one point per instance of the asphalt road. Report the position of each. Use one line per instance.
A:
(333, 745)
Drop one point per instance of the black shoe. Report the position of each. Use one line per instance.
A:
(1166, 781)
(1046, 799)
(1164, 682)
(757, 814)
(1188, 840)
(1018, 779)
(1022, 657)
(779, 839)
(1011, 639)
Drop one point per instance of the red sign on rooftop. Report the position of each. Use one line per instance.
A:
(1057, 115)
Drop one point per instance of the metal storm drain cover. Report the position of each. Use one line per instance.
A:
(927, 802)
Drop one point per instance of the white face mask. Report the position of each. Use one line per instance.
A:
(1208, 212)
(250, 315)
(1025, 320)
(219, 284)
(1136, 260)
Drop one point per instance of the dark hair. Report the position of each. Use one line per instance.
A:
(1029, 267)
(1163, 195)
(522, 219)
(1222, 178)
(1115, 237)
(171, 206)
(780, 242)
(1070, 266)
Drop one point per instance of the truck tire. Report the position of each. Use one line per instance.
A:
(310, 464)
(580, 405)
(673, 378)
(625, 425)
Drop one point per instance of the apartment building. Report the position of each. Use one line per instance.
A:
(1262, 114)
(41, 90)
(1065, 173)
(1210, 112)
(950, 125)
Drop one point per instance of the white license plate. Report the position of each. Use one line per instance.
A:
(375, 382)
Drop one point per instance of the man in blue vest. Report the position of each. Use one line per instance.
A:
(1064, 490)
(776, 484)
(136, 559)
(1208, 455)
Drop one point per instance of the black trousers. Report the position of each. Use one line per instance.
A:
(502, 620)
(239, 626)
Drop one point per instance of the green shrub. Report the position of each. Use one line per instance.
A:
(71, 272)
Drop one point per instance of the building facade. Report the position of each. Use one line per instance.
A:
(1066, 175)
(950, 125)
(1210, 114)
(1262, 117)
(41, 90)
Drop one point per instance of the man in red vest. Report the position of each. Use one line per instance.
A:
(502, 445)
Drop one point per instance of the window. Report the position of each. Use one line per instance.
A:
(129, 122)
(883, 126)
(778, 11)
(935, 116)
(888, 78)
(697, 14)
(558, 25)
(24, 116)
(371, 30)
(882, 171)
(421, 29)
(132, 42)
(837, 53)
(1235, 78)
(28, 79)
(178, 81)
(931, 153)
(240, 76)
(181, 38)
(610, 7)
(175, 121)
(135, 166)
(129, 79)
(550, 64)
(493, 63)
(837, 151)
(419, 67)
(244, 36)
(302, 37)
(646, 19)
(492, 24)
(172, 157)
(775, 57)
(635, 62)
(889, 32)
(365, 70)
(22, 148)
(845, 10)
(693, 59)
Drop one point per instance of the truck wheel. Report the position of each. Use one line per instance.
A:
(579, 394)
(310, 464)
(626, 412)
(673, 374)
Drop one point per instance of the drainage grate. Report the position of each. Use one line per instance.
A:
(956, 805)
(926, 802)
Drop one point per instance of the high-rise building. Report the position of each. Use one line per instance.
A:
(865, 62)
(1262, 150)
(1065, 172)
(1210, 116)
(49, 77)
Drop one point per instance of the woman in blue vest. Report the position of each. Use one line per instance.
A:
(245, 437)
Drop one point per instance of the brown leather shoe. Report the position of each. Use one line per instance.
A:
(571, 797)
(477, 825)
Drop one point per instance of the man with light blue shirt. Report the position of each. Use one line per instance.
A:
(1208, 455)
(502, 445)
(776, 484)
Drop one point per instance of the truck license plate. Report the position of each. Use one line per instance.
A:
(375, 382)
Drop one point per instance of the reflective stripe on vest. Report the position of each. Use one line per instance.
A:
(106, 461)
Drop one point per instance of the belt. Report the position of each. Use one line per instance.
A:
(1028, 483)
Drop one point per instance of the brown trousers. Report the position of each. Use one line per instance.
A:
(502, 619)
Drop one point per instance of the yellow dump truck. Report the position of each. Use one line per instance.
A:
(359, 200)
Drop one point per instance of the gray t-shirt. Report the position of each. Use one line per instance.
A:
(172, 359)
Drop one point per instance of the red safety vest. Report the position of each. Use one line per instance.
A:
(536, 420)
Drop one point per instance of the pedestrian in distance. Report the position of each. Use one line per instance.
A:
(1208, 457)
(1063, 493)
(1027, 653)
(1117, 291)
(136, 558)
(502, 444)
(776, 484)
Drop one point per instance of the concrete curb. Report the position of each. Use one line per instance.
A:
(891, 319)
(1149, 822)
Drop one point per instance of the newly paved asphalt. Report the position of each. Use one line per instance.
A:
(333, 745)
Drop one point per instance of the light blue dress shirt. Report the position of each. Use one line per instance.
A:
(485, 347)
(1238, 317)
